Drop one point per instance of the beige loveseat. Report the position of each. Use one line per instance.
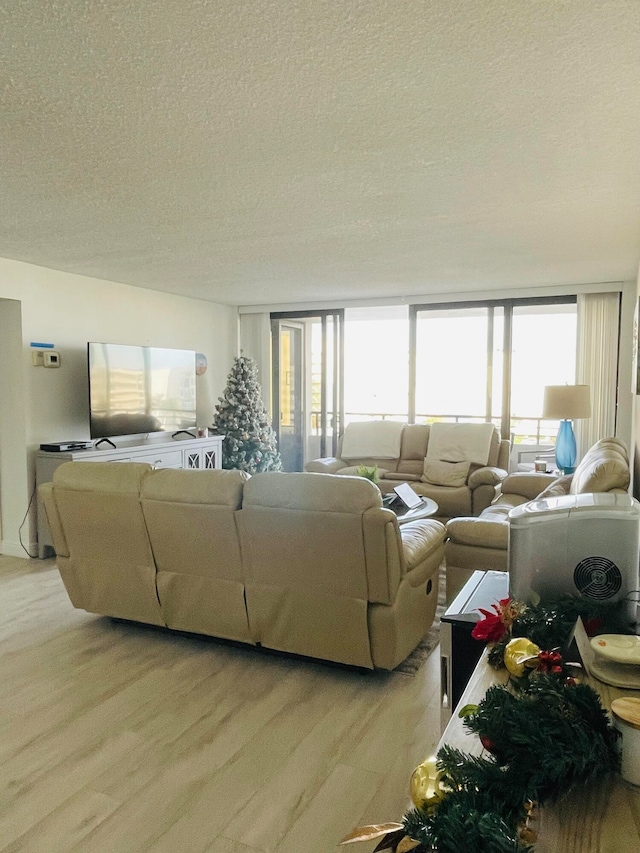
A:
(295, 562)
(469, 496)
(481, 543)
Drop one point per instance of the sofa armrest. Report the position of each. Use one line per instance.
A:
(482, 484)
(421, 540)
(486, 476)
(327, 465)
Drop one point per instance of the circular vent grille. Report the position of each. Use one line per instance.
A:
(597, 577)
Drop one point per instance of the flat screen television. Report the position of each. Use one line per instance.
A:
(139, 389)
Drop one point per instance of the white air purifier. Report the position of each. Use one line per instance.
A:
(580, 545)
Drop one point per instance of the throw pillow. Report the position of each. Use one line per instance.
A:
(440, 473)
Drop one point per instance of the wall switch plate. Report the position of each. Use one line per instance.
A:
(37, 357)
(51, 358)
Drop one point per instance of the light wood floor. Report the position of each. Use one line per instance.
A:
(115, 737)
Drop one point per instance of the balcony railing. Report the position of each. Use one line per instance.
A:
(523, 429)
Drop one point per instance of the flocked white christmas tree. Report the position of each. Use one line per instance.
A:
(249, 440)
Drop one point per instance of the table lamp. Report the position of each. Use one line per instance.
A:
(566, 403)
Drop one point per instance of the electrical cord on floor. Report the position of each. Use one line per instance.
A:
(22, 545)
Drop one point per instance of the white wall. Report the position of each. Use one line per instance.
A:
(69, 310)
(13, 462)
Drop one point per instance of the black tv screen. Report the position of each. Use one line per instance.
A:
(138, 389)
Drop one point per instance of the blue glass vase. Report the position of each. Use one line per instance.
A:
(566, 451)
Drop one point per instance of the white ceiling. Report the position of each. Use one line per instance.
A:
(297, 150)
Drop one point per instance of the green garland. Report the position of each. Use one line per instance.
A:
(544, 737)
(551, 625)
(543, 733)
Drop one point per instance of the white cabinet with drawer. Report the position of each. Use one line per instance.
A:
(202, 453)
(162, 458)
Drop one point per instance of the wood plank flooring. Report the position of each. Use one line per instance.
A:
(117, 738)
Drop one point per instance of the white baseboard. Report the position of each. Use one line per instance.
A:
(15, 549)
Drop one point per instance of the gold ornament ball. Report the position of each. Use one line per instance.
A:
(518, 654)
(424, 786)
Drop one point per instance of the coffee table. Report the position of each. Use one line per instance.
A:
(426, 509)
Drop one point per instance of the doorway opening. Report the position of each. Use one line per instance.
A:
(307, 388)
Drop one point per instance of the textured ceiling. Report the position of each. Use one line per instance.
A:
(295, 150)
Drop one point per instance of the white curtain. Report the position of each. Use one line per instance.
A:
(255, 342)
(597, 365)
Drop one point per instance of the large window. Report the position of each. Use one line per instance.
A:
(473, 361)
(543, 352)
(376, 363)
(491, 361)
(455, 351)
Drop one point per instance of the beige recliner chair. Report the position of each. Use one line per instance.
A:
(330, 574)
(101, 540)
(481, 543)
(191, 519)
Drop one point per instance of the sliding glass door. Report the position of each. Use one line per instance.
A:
(289, 338)
(308, 404)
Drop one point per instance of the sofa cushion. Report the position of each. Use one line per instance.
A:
(445, 473)
(451, 500)
(610, 443)
(529, 484)
(374, 439)
(603, 468)
(494, 449)
(479, 531)
(213, 487)
(98, 477)
(311, 492)
(352, 471)
(415, 439)
(401, 476)
(558, 488)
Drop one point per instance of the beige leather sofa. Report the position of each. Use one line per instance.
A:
(296, 562)
(481, 543)
(469, 498)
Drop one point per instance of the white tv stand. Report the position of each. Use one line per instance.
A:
(174, 453)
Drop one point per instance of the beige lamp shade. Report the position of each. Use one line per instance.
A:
(566, 402)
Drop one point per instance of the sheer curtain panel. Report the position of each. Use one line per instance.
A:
(597, 364)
